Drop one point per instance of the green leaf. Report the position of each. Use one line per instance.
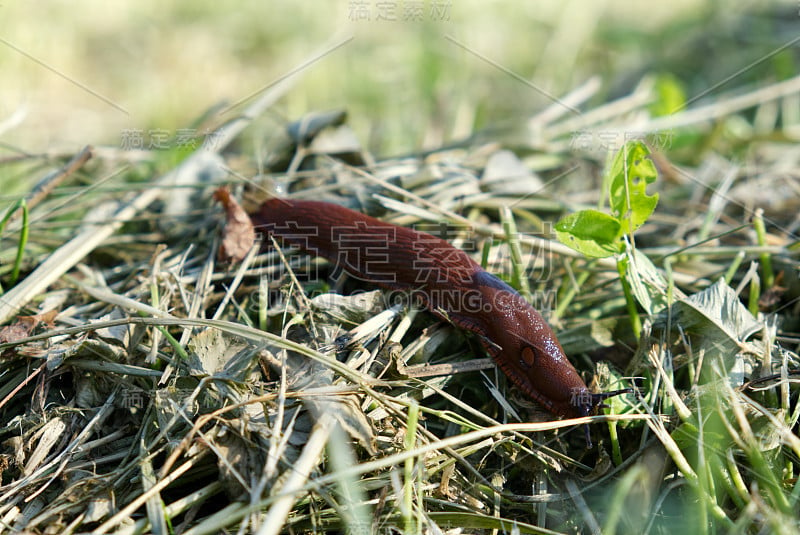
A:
(717, 313)
(631, 172)
(718, 326)
(648, 286)
(596, 234)
(590, 232)
(670, 96)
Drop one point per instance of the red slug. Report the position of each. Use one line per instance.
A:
(449, 283)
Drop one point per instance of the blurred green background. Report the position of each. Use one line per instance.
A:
(412, 75)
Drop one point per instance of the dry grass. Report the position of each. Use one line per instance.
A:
(152, 388)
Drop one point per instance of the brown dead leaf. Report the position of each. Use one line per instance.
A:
(24, 325)
(239, 235)
(14, 332)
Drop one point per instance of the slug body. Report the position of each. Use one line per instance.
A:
(449, 283)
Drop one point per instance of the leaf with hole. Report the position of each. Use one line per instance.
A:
(631, 172)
